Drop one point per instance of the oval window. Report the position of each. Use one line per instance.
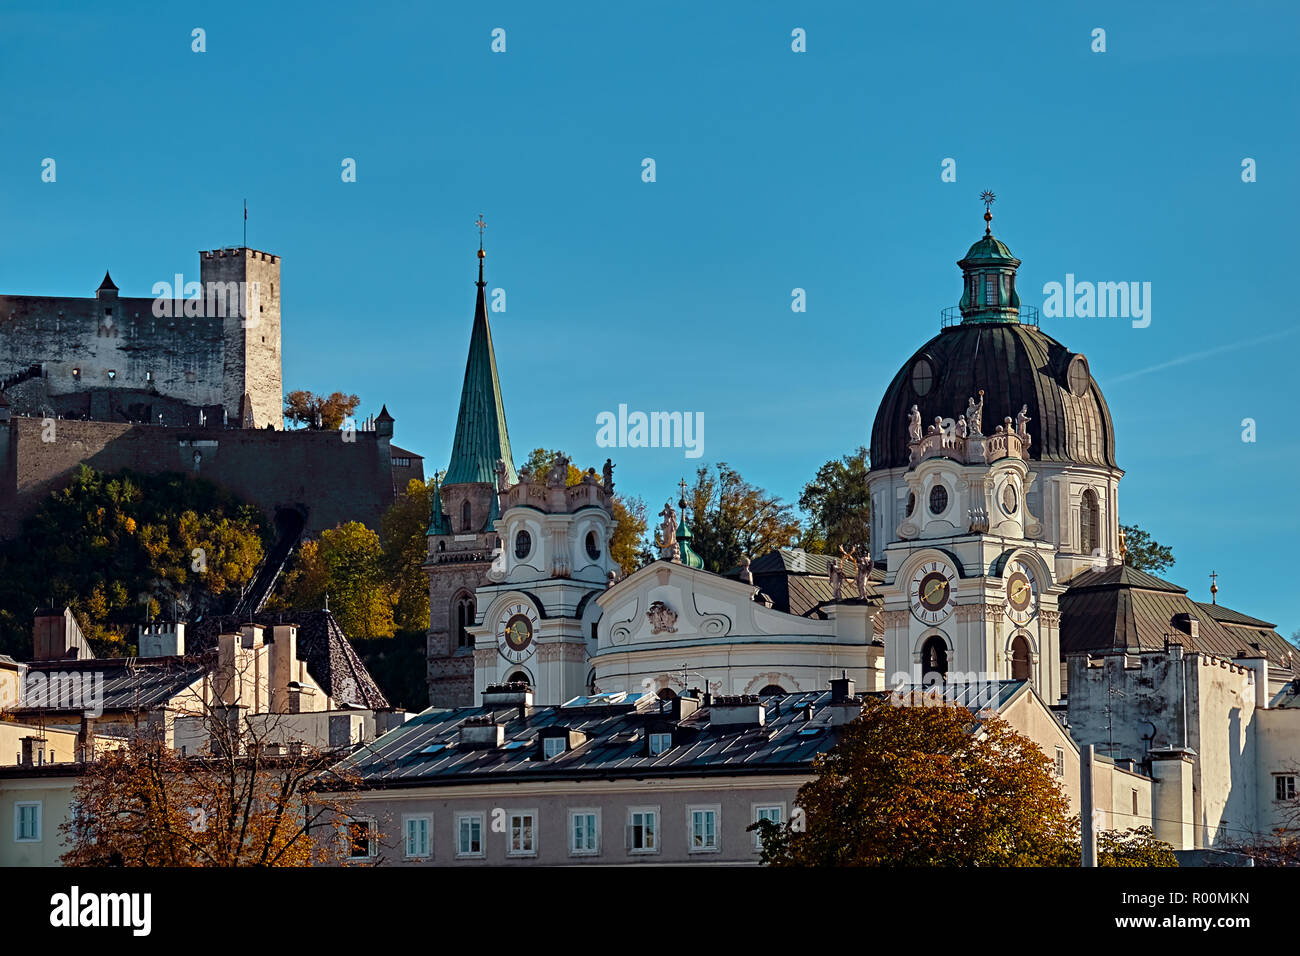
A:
(1009, 498)
(938, 500)
(593, 546)
(1078, 375)
(922, 376)
(523, 544)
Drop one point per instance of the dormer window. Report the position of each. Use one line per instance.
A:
(553, 747)
(660, 743)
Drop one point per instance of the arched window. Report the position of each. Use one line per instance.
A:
(519, 677)
(1089, 523)
(772, 690)
(934, 661)
(1020, 658)
(667, 694)
(465, 515)
(463, 618)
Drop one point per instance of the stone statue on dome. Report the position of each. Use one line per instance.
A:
(914, 424)
(1022, 425)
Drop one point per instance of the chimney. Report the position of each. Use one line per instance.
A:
(31, 746)
(162, 640)
(86, 740)
(745, 710)
(684, 707)
(482, 732)
(515, 694)
(56, 637)
(284, 659)
(252, 635)
(842, 688)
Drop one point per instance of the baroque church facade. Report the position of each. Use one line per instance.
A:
(996, 559)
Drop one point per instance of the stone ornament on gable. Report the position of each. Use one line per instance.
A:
(662, 618)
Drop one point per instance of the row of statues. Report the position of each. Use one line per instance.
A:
(969, 424)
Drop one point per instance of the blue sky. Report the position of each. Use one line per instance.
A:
(775, 170)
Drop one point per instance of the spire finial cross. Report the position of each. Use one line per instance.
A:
(481, 226)
(682, 485)
(1214, 587)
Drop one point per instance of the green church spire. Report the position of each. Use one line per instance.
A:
(438, 523)
(481, 435)
(989, 277)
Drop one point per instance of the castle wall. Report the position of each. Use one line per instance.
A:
(335, 480)
(113, 344)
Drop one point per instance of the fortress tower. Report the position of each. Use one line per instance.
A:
(251, 374)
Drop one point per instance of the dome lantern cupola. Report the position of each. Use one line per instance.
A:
(989, 277)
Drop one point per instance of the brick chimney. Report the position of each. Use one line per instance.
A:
(745, 710)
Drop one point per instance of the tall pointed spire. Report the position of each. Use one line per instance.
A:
(481, 434)
(438, 523)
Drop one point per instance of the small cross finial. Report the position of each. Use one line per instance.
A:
(682, 485)
(481, 226)
(1214, 587)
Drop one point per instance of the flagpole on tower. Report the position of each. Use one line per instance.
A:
(245, 223)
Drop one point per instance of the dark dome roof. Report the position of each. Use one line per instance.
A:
(1016, 364)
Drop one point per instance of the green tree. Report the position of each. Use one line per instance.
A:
(319, 411)
(348, 567)
(121, 548)
(838, 506)
(729, 517)
(1144, 552)
(404, 535)
(628, 546)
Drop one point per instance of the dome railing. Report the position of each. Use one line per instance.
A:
(1026, 314)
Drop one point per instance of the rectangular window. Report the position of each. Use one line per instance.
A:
(990, 290)
(360, 845)
(469, 834)
(660, 743)
(773, 814)
(1060, 762)
(703, 823)
(1284, 785)
(523, 834)
(552, 746)
(642, 831)
(27, 822)
(417, 838)
(1135, 803)
(584, 832)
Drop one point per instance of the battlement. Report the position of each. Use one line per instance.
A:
(233, 251)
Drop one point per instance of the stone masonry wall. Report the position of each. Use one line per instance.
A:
(335, 480)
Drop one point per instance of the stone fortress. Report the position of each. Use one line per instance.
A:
(188, 380)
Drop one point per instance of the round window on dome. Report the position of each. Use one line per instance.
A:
(593, 546)
(523, 544)
(1078, 376)
(923, 376)
(938, 500)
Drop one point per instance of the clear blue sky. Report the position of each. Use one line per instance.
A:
(775, 170)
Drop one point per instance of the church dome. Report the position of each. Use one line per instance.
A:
(1015, 364)
(997, 347)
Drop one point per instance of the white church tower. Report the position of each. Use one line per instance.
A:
(993, 483)
(538, 611)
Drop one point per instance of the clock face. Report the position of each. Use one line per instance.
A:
(934, 591)
(1022, 592)
(515, 632)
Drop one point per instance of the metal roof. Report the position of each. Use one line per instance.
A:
(426, 749)
(1015, 364)
(130, 683)
(1123, 608)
